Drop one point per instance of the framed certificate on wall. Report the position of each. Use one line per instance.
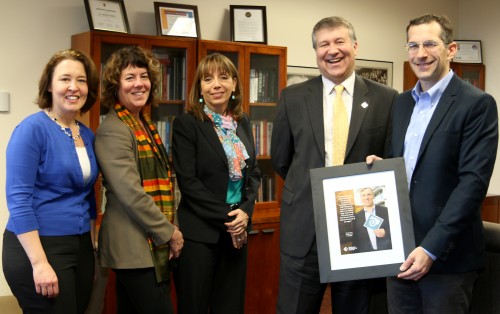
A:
(107, 15)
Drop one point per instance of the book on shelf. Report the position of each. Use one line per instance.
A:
(262, 131)
(173, 74)
(266, 189)
(164, 126)
(263, 85)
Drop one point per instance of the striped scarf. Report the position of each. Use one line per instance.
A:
(153, 162)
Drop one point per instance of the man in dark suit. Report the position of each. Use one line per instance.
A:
(302, 139)
(448, 135)
(367, 239)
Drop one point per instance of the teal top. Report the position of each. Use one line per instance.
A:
(234, 190)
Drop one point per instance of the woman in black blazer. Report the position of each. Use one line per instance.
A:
(216, 168)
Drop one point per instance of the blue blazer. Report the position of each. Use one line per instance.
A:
(452, 173)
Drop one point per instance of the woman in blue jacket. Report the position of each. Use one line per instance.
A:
(51, 169)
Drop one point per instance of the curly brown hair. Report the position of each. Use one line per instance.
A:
(44, 99)
(134, 56)
(207, 66)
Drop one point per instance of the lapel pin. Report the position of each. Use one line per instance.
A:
(364, 105)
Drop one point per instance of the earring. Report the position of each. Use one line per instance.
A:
(232, 96)
(200, 100)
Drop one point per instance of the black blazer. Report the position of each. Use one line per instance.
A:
(202, 171)
(361, 238)
(452, 173)
(298, 145)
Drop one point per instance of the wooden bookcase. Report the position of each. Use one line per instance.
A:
(262, 70)
(470, 72)
(491, 208)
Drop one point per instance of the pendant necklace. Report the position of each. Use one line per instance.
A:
(75, 138)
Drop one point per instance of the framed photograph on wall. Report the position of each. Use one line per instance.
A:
(248, 23)
(378, 71)
(298, 74)
(174, 19)
(468, 51)
(345, 218)
(107, 15)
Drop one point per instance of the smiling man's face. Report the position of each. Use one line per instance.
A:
(335, 53)
(432, 64)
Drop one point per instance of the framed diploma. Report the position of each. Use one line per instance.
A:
(177, 20)
(248, 23)
(107, 15)
(363, 219)
(468, 51)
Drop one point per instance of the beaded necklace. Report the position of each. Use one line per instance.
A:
(75, 138)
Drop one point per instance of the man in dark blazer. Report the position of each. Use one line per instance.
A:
(381, 236)
(447, 131)
(301, 140)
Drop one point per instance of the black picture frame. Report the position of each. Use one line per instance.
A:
(179, 20)
(107, 15)
(248, 24)
(468, 51)
(334, 200)
(378, 71)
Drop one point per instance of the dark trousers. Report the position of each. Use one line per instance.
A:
(300, 290)
(137, 292)
(72, 259)
(211, 277)
(433, 293)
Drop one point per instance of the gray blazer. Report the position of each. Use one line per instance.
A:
(298, 145)
(130, 213)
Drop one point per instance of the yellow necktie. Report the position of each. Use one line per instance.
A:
(340, 127)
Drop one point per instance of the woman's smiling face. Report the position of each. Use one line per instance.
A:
(134, 88)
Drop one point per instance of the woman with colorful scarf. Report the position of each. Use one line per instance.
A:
(216, 168)
(139, 213)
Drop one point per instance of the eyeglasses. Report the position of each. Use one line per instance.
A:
(428, 45)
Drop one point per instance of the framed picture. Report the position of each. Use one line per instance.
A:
(468, 51)
(248, 23)
(363, 220)
(378, 71)
(298, 74)
(107, 15)
(174, 19)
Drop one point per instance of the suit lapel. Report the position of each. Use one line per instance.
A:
(442, 107)
(209, 133)
(358, 112)
(314, 105)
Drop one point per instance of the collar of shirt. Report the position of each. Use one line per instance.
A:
(367, 213)
(435, 91)
(348, 85)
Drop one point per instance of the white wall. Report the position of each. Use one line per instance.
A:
(479, 20)
(31, 31)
